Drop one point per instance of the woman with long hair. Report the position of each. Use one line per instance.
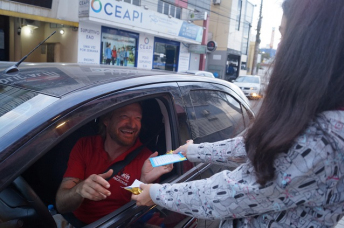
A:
(293, 154)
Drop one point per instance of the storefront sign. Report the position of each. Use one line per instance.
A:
(211, 46)
(184, 58)
(89, 43)
(197, 48)
(197, 16)
(84, 6)
(151, 21)
(145, 56)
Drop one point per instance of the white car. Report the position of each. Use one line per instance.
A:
(200, 73)
(250, 85)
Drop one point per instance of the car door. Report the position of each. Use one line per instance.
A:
(43, 159)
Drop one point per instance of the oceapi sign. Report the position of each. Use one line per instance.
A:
(116, 10)
(125, 16)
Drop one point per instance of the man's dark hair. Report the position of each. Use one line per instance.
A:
(307, 78)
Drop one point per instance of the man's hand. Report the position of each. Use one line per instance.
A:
(95, 187)
(143, 199)
(150, 174)
(184, 148)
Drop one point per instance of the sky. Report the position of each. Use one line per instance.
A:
(272, 14)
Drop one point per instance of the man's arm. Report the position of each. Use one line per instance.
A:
(73, 191)
(67, 199)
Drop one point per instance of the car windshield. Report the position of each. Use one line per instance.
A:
(247, 79)
(18, 105)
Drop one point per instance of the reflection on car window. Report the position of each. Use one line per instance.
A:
(247, 117)
(18, 105)
(247, 79)
(184, 133)
(214, 116)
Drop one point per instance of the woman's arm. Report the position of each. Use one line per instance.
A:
(229, 152)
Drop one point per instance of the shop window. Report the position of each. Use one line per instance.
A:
(232, 67)
(214, 116)
(119, 48)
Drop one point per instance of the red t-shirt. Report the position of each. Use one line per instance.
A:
(114, 53)
(89, 157)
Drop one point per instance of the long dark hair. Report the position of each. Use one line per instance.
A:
(307, 78)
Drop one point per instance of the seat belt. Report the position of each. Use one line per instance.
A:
(118, 166)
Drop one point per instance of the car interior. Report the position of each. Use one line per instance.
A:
(46, 174)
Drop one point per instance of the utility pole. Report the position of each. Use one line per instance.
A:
(256, 47)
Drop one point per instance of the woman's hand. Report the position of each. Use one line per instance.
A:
(143, 199)
(183, 149)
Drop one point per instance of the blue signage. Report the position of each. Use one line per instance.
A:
(191, 31)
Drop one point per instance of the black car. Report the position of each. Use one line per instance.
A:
(46, 108)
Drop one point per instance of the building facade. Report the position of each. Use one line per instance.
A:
(149, 34)
(230, 27)
(25, 23)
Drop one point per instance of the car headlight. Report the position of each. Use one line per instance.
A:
(253, 88)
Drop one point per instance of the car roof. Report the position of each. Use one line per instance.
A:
(58, 79)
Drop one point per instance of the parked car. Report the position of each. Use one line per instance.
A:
(250, 85)
(200, 73)
(46, 108)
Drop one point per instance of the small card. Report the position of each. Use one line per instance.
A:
(167, 159)
(135, 187)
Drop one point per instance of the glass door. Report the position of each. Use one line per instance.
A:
(166, 55)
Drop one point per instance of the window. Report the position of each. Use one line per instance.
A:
(238, 18)
(119, 48)
(214, 116)
(243, 65)
(134, 2)
(168, 9)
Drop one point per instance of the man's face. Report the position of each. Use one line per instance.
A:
(124, 126)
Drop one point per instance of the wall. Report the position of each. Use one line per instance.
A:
(29, 41)
(68, 41)
(62, 10)
(219, 25)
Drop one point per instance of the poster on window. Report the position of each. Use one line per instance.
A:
(118, 48)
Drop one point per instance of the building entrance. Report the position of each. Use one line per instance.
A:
(166, 55)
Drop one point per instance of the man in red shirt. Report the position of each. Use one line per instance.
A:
(84, 189)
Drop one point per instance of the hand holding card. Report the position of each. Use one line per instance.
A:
(167, 159)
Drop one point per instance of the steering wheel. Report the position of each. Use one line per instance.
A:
(42, 211)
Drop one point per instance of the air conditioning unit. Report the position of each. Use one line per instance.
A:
(217, 2)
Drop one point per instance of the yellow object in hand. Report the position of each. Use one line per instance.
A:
(135, 190)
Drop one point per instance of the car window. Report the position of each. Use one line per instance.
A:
(214, 116)
(16, 106)
(248, 117)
